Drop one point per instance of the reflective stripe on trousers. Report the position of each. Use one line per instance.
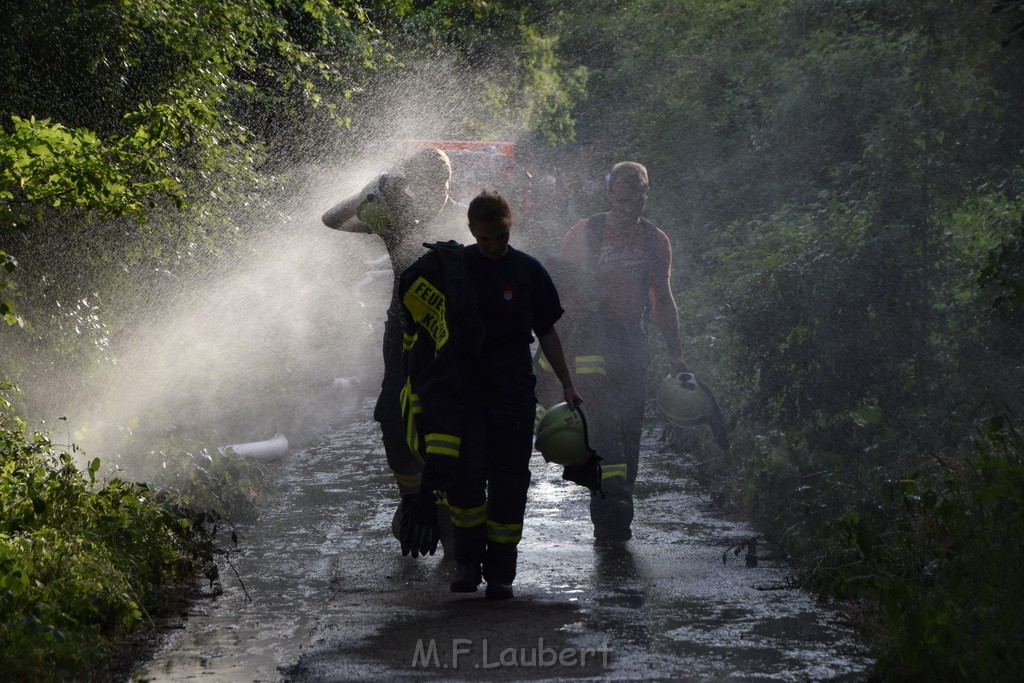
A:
(620, 470)
(504, 533)
(467, 518)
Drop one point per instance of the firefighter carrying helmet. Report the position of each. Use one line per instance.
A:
(683, 400)
(380, 204)
(562, 436)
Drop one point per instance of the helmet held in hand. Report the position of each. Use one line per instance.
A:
(382, 203)
(562, 436)
(683, 400)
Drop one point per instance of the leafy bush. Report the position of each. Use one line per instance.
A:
(945, 560)
(854, 354)
(203, 478)
(82, 561)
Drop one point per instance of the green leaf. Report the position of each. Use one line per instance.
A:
(867, 415)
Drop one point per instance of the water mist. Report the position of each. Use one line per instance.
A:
(283, 335)
(283, 339)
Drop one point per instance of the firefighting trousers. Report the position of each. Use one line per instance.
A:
(406, 466)
(488, 500)
(618, 416)
(621, 413)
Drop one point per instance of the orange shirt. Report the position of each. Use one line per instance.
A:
(620, 268)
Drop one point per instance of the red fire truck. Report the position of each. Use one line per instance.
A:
(479, 165)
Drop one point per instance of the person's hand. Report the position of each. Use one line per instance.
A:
(571, 396)
(678, 365)
(418, 531)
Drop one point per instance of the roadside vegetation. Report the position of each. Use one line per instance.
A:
(83, 561)
(843, 183)
(851, 289)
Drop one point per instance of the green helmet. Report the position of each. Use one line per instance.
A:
(562, 436)
(377, 210)
(683, 400)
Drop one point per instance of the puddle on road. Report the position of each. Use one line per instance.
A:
(332, 599)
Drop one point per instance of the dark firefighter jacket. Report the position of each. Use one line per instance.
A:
(442, 338)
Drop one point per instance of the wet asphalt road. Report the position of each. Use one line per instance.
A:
(332, 599)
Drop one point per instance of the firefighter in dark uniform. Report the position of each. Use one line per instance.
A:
(405, 207)
(471, 313)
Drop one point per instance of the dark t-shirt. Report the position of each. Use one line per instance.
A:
(516, 299)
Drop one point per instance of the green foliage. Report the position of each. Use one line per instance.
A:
(841, 181)
(467, 27)
(539, 97)
(7, 311)
(828, 354)
(137, 142)
(943, 560)
(851, 176)
(854, 349)
(45, 163)
(81, 562)
(509, 47)
(840, 386)
(1003, 270)
(116, 105)
(218, 480)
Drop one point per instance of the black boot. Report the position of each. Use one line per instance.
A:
(467, 551)
(498, 591)
(612, 514)
(500, 561)
(467, 578)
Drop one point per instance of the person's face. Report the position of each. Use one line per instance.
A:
(628, 195)
(492, 238)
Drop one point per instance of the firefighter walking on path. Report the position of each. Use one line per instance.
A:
(405, 208)
(471, 313)
(629, 261)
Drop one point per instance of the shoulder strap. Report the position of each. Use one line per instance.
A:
(650, 247)
(592, 239)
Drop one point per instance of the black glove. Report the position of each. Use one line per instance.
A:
(418, 530)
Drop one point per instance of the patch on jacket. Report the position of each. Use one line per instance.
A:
(427, 305)
(509, 290)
